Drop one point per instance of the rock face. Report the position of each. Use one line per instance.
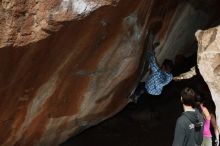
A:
(209, 62)
(68, 64)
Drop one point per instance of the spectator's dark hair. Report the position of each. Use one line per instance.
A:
(188, 96)
(168, 64)
(210, 105)
(200, 99)
(207, 102)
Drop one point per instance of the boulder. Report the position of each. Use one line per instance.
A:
(67, 65)
(208, 58)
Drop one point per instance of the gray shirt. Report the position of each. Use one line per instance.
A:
(189, 129)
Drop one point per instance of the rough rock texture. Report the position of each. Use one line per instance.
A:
(68, 64)
(209, 62)
(28, 21)
(177, 35)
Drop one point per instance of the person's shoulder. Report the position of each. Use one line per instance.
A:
(182, 122)
(198, 111)
(182, 119)
(200, 116)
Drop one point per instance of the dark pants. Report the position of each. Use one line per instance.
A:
(140, 89)
(146, 99)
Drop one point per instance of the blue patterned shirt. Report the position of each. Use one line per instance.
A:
(157, 79)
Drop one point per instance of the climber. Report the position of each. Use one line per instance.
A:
(158, 78)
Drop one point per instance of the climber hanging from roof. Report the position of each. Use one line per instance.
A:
(159, 76)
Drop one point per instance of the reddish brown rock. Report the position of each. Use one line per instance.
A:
(69, 64)
(209, 62)
(66, 65)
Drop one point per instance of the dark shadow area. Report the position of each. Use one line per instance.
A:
(150, 122)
